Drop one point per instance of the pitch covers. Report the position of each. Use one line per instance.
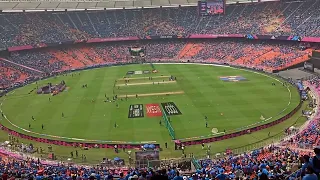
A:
(135, 111)
(153, 110)
(170, 108)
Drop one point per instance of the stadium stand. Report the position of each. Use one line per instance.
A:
(13, 75)
(298, 18)
(268, 18)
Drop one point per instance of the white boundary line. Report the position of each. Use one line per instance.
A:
(143, 142)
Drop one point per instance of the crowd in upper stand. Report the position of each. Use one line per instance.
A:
(272, 18)
(262, 55)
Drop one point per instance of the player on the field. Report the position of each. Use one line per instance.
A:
(205, 118)
(33, 118)
(42, 126)
(62, 114)
(29, 126)
(206, 124)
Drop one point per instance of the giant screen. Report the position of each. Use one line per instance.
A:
(211, 7)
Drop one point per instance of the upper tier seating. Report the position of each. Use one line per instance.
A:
(272, 18)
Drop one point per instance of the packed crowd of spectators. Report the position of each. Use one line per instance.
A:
(29, 168)
(269, 56)
(14, 75)
(272, 18)
(310, 136)
(252, 54)
(274, 162)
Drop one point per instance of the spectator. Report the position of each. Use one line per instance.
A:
(310, 175)
(178, 177)
(315, 161)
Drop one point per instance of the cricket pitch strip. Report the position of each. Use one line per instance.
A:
(146, 83)
(151, 94)
(153, 77)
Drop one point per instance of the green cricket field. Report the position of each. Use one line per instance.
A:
(197, 98)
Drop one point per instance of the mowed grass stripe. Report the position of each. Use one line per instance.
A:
(105, 120)
(69, 103)
(223, 105)
(232, 100)
(227, 104)
(189, 106)
(257, 100)
(56, 124)
(125, 125)
(80, 127)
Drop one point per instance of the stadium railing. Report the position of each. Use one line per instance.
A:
(195, 162)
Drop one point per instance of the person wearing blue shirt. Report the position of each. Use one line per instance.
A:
(221, 175)
(310, 175)
(127, 176)
(263, 170)
(316, 159)
(39, 177)
(306, 163)
(98, 177)
(56, 177)
(177, 177)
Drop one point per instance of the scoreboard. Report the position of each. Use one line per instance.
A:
(211, 7)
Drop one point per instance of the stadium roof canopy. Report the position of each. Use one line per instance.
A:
(58, 5)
